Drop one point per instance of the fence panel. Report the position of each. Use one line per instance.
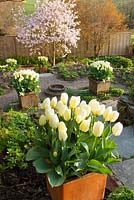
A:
(7, 47)
(117, 44)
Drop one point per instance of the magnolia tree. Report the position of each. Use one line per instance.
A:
(54, 24)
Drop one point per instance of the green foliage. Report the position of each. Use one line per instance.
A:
(131, 91)
(79, 60)
(29, 6)
(132, 38)
(116, 92)
(122, 193)
(17, 132)
(119, 61)
(1, 91)
(65, 73)
(85, 94)
(22, 60)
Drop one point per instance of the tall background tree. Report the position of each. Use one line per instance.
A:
(53, 26)
(126, 7)
(99, 19)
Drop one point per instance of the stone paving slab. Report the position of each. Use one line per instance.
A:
(45, 80)
(124, 172)
(125, 142)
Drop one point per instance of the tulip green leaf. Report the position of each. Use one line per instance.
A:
(42, 166)
(36, 152)
(54, 179)
(85, 147)
(96, 166)
(107, 131)
(113, 160)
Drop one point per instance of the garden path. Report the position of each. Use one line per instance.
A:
(124, 171)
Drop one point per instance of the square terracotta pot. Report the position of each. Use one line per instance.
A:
(43, 69)
(89, 187)
(98, 87)
(29, 100)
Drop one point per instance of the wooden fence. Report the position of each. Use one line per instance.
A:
(118, 44)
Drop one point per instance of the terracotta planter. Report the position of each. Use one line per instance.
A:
(43, 69)
(88, 187)
(98, 87)
(29, 100)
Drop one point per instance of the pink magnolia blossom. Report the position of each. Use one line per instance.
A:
(53, 22)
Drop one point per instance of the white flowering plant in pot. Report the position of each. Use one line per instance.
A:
(9, 66)
(72, 139)
(26, 81)
(43, 61)
(101, 71)
(12, 64)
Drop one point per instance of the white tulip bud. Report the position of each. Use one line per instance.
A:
(113, 116)
(49, 112)
(42, 120)
(64, 98)
(62, 135)
(53, 102)
(46, 103)
(74, 102)
(84, 126)
(54, 121)
(94, 106)
(107, 113)
(101, 110)
(67, 114)
(117, 129)
(98, 128)
(62, 126)
(61, 108)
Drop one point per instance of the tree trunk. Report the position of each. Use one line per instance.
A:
(54, 54)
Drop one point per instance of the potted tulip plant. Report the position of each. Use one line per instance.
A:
(26, 83)
(74, 142)
(43, 64)
(100, 74)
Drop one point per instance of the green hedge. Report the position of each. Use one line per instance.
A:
(119, 61)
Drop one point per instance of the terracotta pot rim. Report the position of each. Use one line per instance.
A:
(90, 78)
(82, 177)
(26, 94)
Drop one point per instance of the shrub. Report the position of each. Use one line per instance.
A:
(116, 92)
(119, 61)
(26, 60)
(17, 133)
(65, 73)
(122, 193)
(79, 60)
